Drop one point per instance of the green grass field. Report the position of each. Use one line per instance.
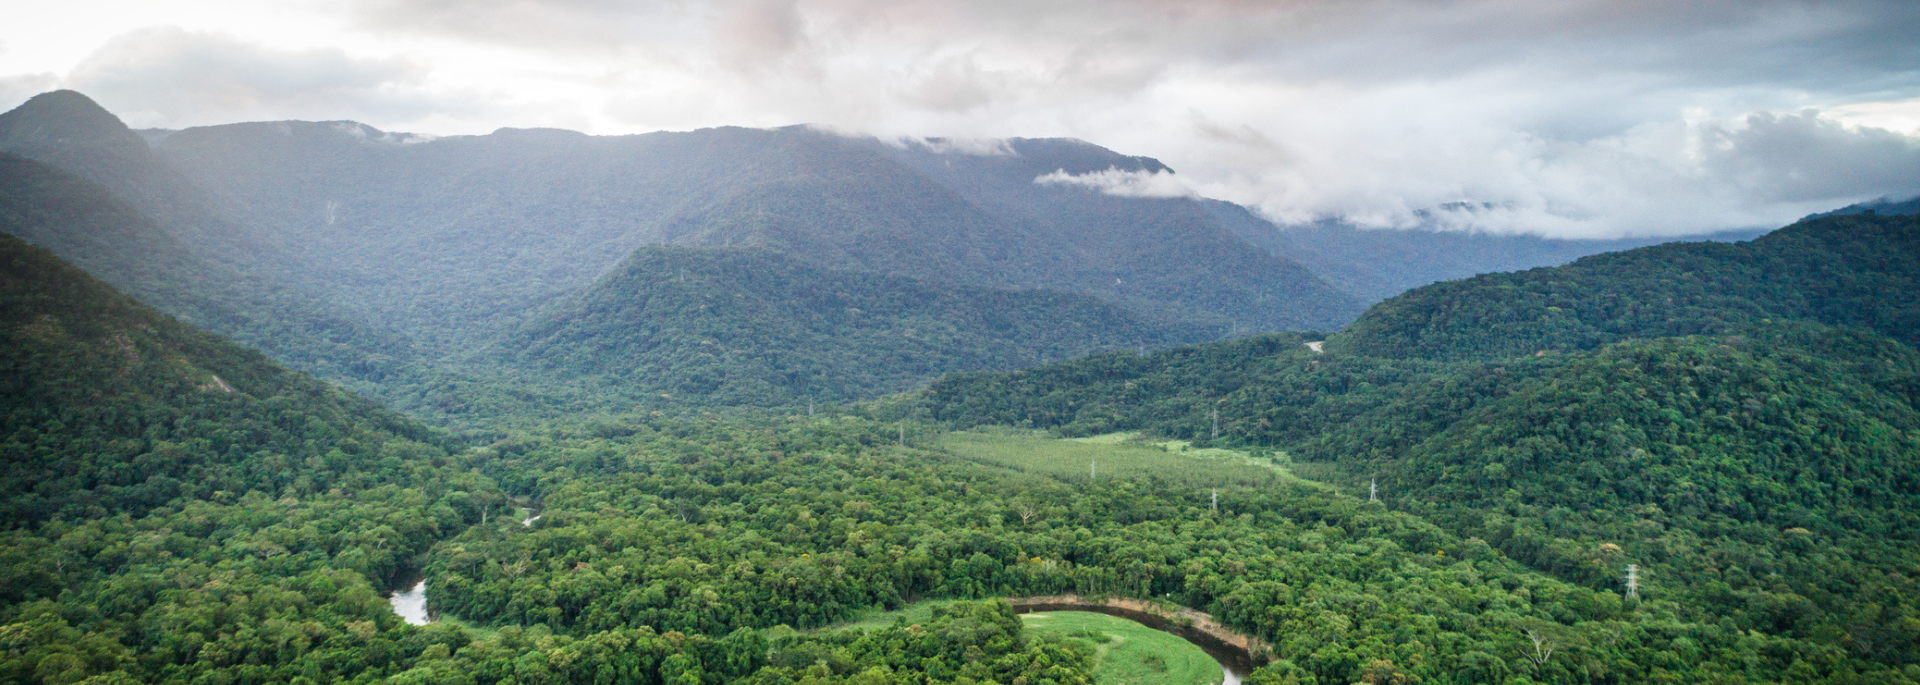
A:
(1130, 653)
(1118, 455)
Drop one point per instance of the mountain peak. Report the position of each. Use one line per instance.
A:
(64, 118)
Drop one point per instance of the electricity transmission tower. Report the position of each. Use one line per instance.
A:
(1633, 581)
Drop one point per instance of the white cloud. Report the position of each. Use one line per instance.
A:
(1127, 183)
(977, 147)
(16, 89)
(1583, 116)
(167, 76)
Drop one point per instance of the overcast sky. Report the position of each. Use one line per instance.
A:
(1563, 117)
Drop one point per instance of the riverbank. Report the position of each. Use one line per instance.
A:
(1240, 653)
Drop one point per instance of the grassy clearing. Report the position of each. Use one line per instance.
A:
(1129, 652)
(1118, 455)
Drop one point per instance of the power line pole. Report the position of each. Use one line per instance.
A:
(1633, 582)
(1373, 489)
(1216, 500)
(1093, 469)
(1216, 423)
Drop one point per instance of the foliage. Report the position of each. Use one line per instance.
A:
(756, 327)
(113, 241)
(111, 406)
(1762, 477)
(710, 528)
(1855, 270)
(1128, 653)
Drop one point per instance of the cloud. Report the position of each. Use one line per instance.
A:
(977, 147)
(1587, 117)
(16, 89)
(1134, 183)
(1788, 158)
(1576, 117)
(171, 77)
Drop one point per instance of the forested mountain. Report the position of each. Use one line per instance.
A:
(750, 326)
(112, 240)
(1375, 264)
(113, 406)
(274, 507)
(452, 236)
(626, 329)
(1852, 270)
(421, 262)
(1885, 205)
(1758, 462)
(70, 132)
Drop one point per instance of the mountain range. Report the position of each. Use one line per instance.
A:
(397, 263)
(1689, 462)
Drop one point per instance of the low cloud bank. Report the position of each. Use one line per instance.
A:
(1590, 118)
(1133, 183)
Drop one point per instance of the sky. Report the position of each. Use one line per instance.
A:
(1574, 118)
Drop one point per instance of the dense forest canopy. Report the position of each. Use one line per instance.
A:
(1734, 419)
(1446, 492)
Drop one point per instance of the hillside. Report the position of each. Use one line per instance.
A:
(416, 254)
(447, 237)
(111, 404)
(274, 508)
(182, 509)
(761, 328)
(1853, 270)
(71, 132)
(1376, 264)
(1759, 470)
(113, 241)
(1884, 206)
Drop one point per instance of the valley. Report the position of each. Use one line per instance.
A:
(784, 406)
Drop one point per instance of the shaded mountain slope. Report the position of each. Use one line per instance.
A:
(1152, 252)
(111, 239)
(758, 327)
(111, 405)
(470, 228)
(71, 132)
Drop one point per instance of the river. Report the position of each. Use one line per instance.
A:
(411, 604)
(1235, 659)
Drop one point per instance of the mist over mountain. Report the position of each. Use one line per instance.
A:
(632, 335)
(111, 239)
(1885, 205)
(1854, 270)
(1373, 264)
(469, 227)
(388, 260)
